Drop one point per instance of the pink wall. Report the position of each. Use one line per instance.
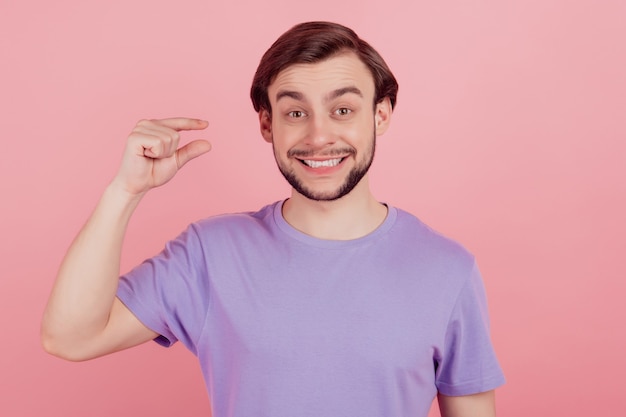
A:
(509, 135)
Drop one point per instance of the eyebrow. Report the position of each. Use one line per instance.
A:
(296, 95)
(292, 94)
(343, 91)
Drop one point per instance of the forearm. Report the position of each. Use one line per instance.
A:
(85, 287)
(82, 319)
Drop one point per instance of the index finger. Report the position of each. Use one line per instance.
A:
(183, 123)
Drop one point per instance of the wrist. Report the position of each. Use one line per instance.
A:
(121, 192)
(120, 199)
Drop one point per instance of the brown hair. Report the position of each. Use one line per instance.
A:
(311, 42)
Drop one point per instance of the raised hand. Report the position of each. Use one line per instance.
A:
(83, 318)
(152, 156)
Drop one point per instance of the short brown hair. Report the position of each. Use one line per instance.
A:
(311, 42)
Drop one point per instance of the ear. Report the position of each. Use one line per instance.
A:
(382, 116)
(265, 124)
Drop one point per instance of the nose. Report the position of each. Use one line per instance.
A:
(320, 132)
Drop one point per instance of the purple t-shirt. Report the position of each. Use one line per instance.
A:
(285, 324)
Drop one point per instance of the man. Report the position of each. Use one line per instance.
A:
(329, 303)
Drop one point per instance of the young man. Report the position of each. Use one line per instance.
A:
(326, 304)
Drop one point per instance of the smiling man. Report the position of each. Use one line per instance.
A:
(329, 303)
(323, 112)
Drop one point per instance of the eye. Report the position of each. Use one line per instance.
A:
(296, 114)
(343, 111)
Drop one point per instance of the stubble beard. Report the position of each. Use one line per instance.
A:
(355, 176)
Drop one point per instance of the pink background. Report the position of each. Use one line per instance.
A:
(509, 136)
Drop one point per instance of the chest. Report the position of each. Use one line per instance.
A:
(340, 311)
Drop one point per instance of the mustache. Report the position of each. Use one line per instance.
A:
(308, 153)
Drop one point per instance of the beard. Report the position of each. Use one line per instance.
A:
(355, 175)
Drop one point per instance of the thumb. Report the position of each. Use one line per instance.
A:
(191, 150)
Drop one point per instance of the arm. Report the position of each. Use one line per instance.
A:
(476, 405)
(83, 318)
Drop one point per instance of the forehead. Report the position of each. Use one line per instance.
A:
(339, 71)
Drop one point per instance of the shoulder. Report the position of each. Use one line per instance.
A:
(442, 264)
(245, 224)
(421, 238)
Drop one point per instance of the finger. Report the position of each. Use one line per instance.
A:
(147, 145)
(191, 150)
(169, 137)
(183, 123)
(155, 128)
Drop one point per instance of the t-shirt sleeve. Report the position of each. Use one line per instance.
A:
(468, 364)
(169, 292)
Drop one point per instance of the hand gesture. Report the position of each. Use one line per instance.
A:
(152, 156)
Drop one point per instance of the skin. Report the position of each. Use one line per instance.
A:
(477, 405)
(83, 318)
(343, 107)
(320, 112)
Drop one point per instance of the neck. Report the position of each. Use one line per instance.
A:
(354, 215)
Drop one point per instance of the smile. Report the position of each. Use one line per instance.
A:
(318, 164)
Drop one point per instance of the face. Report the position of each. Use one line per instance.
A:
(324, 124)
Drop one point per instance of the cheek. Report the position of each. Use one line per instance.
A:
(288, 133)
(361, 129)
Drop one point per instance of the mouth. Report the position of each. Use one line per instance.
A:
(327, 163)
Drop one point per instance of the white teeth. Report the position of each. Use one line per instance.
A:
(326, 163)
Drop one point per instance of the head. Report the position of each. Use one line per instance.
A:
(312, 42)
(323, 95)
